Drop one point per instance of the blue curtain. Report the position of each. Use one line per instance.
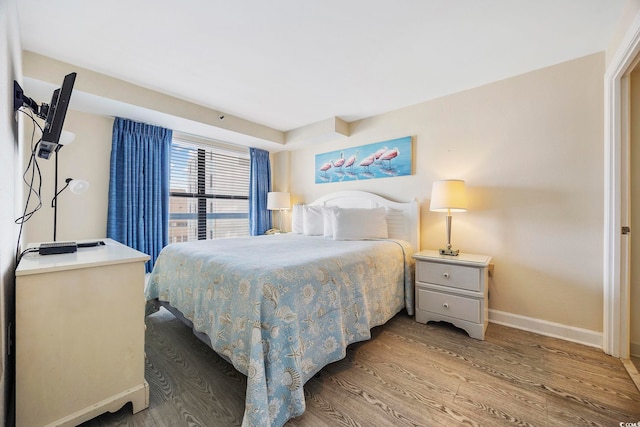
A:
(138, 214)
(259, 186)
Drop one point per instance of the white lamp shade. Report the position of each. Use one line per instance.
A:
(448, 195)
(78, 186)
(66, 137)
(277, 200)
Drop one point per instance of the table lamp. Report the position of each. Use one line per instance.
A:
(278, 201)
(448, 196)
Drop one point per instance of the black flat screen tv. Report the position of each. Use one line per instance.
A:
(56, 114)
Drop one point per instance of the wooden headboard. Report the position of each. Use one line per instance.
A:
(403, 219)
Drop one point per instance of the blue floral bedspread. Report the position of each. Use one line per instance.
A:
(281, 307)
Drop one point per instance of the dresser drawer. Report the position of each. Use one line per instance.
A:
(468, 309)
(455, 276)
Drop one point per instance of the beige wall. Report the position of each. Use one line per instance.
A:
(150, 106)
(630, 13)
(530, 150)
(87, 157)
(635, 213)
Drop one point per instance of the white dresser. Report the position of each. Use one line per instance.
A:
(453, 289)
(79, 335)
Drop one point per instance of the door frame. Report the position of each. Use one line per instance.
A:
(616, 313)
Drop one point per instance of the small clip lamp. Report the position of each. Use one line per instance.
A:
(448, 196)
(278, 201)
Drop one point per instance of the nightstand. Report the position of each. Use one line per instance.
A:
(453, 289)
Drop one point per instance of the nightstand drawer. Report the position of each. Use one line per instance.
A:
(468, 309)
(455, 276)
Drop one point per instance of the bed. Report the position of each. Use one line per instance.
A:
(281, 307)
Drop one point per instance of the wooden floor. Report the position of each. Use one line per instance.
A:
(407, 374)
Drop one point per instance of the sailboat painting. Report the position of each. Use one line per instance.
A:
(378, 160)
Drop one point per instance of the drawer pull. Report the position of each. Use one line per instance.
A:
(445, 305)
(445, 275)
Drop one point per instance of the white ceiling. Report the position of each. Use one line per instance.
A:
(289, 63)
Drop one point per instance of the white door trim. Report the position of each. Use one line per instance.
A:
(616, 197)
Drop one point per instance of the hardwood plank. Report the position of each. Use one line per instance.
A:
(487, 397)
(631, 367)
(401, 399)
(374, 401)
(407, 374)
(494, 412)
(408, 368)
(592, 385)
(320, 411)
(568, 412)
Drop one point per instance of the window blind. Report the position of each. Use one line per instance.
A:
(209, 192)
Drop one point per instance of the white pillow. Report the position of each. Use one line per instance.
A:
(328, 213)
(360, 224)
(312, 221)
(296, 219)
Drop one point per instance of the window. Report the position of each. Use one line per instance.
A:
(209, 192)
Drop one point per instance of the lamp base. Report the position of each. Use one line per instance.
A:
(449, 251)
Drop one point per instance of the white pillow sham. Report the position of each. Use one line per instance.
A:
(360, 224)
(312, 221)
(297, 220)
(328, 213)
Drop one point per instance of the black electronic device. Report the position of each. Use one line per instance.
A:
(91, 244)
(54, 248)
(57, 111)
(20, 100)
(53, 113)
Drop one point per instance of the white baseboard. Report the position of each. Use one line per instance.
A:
(550, 329)
(634, 349)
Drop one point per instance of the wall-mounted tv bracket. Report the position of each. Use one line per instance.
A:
(21, 100)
